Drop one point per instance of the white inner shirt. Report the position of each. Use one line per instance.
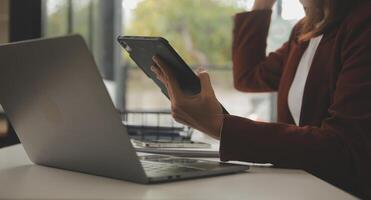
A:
(295, 97)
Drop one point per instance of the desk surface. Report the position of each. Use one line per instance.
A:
(20, 179)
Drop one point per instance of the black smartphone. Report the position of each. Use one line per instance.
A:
(142, 49)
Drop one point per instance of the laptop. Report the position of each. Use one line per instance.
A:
(56, 100)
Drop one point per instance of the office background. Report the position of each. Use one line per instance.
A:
(200, 30)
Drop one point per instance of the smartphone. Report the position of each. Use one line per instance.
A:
(142, 49)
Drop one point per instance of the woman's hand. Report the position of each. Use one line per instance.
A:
(201, 111)
(263, 4)
(3, 126)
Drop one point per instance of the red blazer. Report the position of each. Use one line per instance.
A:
(333, 140)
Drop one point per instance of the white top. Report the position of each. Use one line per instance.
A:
(296, 92)
(20, 179)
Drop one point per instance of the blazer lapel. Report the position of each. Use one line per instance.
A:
(293, 60)
(315, 96)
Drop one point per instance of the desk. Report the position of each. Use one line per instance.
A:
(20, 179)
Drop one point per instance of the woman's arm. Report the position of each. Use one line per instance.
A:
(339, 149)
(253, 71)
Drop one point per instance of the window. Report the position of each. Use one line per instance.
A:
(4, 21)
(200, 30)
(56, 18)
(66, 16)
(98, 22)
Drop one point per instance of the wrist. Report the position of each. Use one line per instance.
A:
(259, 5)
(217, 126)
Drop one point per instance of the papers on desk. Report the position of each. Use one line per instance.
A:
(194, 153)
(182, 152)
(209, 151)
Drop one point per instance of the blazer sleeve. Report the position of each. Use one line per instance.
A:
(340, 146)
(253, 71)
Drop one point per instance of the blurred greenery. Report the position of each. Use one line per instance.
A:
(200, 30)
(57, 19)
(81, 18)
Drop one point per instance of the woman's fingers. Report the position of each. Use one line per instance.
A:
(168, 75)
(162, 66)
(159, 74)
(206, 86)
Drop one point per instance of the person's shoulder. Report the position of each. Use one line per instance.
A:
(296, 31)
(360, 15)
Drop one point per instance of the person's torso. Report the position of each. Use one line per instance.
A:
(320, 82)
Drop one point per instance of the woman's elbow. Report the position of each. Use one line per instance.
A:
(241, 86)
(250, 86)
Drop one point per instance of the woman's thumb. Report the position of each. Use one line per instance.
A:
(204, 80)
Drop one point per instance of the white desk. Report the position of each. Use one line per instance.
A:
(20, 179)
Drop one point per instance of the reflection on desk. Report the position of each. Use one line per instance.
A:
(20, 179)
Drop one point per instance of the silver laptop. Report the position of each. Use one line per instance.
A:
(57, 102)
